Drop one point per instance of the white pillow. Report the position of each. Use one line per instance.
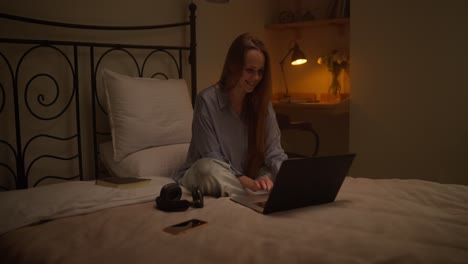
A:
(156, 161)
(146, 112)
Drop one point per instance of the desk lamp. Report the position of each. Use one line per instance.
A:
(297, 58)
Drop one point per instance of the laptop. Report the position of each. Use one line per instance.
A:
(301, 182)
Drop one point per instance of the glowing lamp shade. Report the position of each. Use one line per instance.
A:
(298, 61)
(298, 57)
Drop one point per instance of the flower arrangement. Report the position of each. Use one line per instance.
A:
(335, 61)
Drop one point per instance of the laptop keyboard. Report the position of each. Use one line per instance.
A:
(261, 204)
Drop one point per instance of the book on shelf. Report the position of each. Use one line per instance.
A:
(123, 182)
(347, 10)
(338, 8)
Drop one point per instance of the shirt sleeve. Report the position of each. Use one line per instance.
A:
(204, 135)
(274, 153)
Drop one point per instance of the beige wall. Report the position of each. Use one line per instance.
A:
(409, 89)
(218, 25)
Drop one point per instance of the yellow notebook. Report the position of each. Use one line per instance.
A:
(123, 182)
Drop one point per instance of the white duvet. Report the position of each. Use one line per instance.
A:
(371, 221)
(23, 207)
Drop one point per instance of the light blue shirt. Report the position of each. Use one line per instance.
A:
(219, 133)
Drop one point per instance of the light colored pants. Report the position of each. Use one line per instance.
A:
(213, 177)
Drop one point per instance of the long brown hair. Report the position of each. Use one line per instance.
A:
(255, 105)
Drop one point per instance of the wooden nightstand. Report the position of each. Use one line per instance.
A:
(329, 119)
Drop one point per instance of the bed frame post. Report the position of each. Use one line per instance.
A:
(76, 84)
(193, 51)
(21, 182)
(93, 107)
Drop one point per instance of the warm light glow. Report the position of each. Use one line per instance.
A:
(299, 62)
(319, 60)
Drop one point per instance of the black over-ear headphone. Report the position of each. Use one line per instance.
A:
(169, 199)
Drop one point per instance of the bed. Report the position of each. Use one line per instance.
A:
(46, 218)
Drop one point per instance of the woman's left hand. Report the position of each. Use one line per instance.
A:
(264, 182)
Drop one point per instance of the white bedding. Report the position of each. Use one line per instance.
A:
(24, 207)
(372, 221)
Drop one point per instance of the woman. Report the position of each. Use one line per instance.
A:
(235, 143)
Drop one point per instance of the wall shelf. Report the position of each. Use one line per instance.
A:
(308, 24)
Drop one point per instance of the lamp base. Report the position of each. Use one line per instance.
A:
(285, 99)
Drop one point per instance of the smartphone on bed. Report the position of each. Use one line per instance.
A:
(183, 227)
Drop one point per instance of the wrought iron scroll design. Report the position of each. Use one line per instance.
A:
(11, 149)
(17, 148)
(20, 174)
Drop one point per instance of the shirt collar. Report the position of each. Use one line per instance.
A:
(223, 98)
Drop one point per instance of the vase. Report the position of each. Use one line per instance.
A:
(335, 86)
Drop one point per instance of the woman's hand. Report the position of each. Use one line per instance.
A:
(265, 182)
(261, 183)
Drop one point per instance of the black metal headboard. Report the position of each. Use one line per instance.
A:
(45, 128)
